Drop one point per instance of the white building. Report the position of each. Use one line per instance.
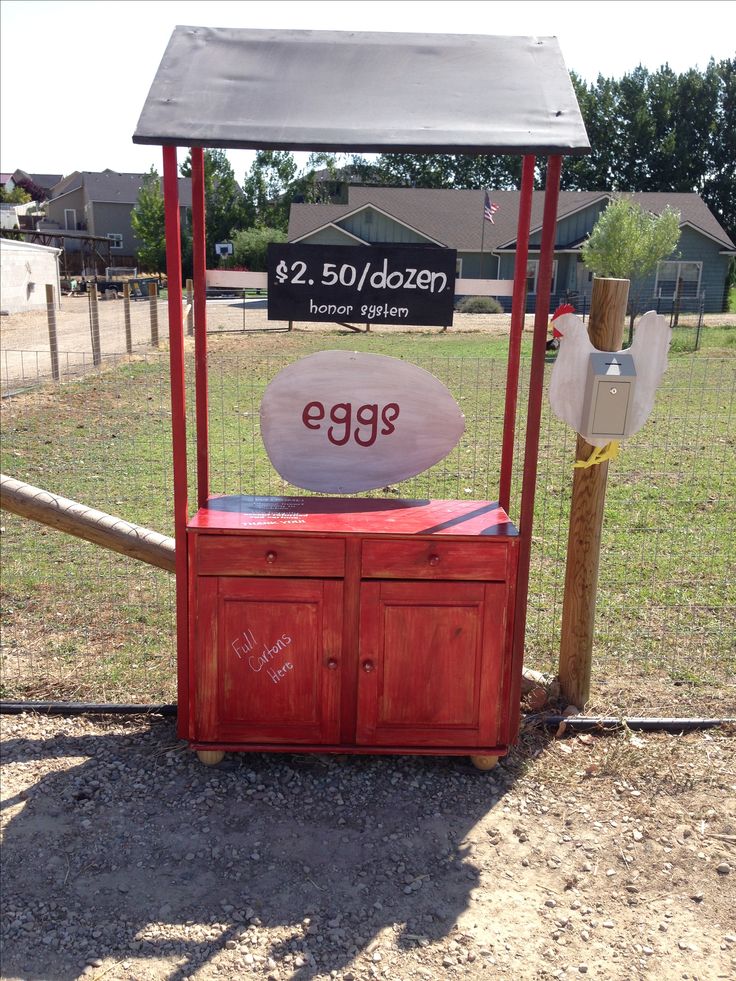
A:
(25, 270)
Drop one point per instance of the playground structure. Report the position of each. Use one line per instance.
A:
(403, 621)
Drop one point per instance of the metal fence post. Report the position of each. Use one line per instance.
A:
(153, 305)
(94, 326)
(190, 306)
(53, 346)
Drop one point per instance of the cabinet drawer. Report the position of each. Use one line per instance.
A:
(405, 559)
(231, 555)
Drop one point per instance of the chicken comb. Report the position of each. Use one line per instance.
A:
(562, 309)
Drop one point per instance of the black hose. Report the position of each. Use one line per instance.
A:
(584, 723)
(84, 708)
(575, 723)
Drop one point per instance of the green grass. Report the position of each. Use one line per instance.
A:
(82, 622)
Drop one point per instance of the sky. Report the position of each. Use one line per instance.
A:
(74, 75)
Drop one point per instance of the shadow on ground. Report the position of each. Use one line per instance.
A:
(127, 847)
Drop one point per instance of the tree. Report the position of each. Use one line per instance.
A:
(16, 196)
(250, 245)
(224, 200)
(265, 187)
(147, 221)
(593, 171)
(719, 186)
(628, 242)
(457, 170)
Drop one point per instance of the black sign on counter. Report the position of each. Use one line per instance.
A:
(394, 284)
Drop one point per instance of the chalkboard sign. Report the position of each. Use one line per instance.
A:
(393, 284)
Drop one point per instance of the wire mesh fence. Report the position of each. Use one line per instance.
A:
(86, 343)
(79, 622)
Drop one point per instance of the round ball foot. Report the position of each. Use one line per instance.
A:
(210, 757)
(484, 762)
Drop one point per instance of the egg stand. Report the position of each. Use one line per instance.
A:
(528, 109)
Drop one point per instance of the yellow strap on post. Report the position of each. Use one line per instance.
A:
(599, 455)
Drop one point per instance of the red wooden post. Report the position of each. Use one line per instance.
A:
(534, 413)
(518, 313)
(199, 236)
(178, 427)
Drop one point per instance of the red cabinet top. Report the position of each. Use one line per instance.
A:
(351, 515)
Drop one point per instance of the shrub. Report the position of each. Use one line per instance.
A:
(479, 304)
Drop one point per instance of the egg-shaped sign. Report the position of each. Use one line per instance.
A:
(340, 422)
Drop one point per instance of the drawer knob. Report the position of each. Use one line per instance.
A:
(270, 556)
(368, 666)
(434, 559)
(332, 664)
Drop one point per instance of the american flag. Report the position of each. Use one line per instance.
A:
(489, 208)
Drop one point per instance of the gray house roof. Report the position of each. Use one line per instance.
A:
(43, 180)
(110, 187)
(455, 217)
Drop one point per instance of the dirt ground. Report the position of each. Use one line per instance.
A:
(24, 337)
(607, 857)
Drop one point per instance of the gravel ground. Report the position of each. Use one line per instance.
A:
(610, 857)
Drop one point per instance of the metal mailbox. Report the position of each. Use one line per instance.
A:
(609, 394)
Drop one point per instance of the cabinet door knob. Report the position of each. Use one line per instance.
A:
(270, 556)
(434, 559)
(368, 666)
(332, 663)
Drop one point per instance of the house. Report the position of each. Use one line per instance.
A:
(101, 204)
(487, 250)
(37, 185)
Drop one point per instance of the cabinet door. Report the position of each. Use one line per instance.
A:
(267, 660)
(430, 663)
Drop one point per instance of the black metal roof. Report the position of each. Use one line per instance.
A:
(362, 92)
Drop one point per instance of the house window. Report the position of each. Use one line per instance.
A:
(116, 240)
(458, 268)
(70, 219)
(532, 273)
(670, 274)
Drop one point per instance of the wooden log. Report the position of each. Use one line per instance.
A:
(605, 328)
(153, 304)
(126, 313)
(87, 523)
(53, 344)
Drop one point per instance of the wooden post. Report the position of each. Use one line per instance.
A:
(94, 325)
(605, 328)
(126, 312)
(53, 345)
(153, 305)
(190, 307)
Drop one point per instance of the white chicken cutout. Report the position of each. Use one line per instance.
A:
(567, 383)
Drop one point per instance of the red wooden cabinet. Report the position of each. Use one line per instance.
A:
(351, 625)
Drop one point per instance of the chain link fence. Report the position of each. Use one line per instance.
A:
(80, 623)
